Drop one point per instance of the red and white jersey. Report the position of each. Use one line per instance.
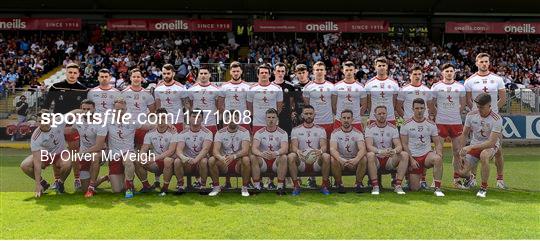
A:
(446, 97)
(382, 93)
(52, 141)
(231, 142)
(348, 97)
(193, 140)
(308, 138)
(204, 97)
(481, 127)
(347, 142)
(490, 83)
(103, 98)
(419, 135)
(408, 93)
(137, 100)
(88, 133)
(170, 97)
(271, 141)
(382, 136)
(235, 96)
(121, 137)
(263, 98)
(320, 97)
(160, 141)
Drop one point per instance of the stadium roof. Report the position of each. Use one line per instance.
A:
(281, 7)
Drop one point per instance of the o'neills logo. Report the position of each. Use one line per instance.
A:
(326, 26)
(14, 24)
(524, 28)
(176, 25)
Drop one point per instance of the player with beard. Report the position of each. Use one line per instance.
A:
(309, 137)
(382, 90)
(486, 82)
(263, 96)
(172, 96)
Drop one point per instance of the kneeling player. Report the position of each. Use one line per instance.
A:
(269, 152)
(384, 148)
(305, 139)
(417, 135)
(230, 155)
(192, 148)
(163, 141)
(486, 127)
(47, 146)
(348, 151)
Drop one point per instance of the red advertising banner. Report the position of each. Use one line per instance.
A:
(218, 25)
(493, 27)
(321, 26)
(40, 24)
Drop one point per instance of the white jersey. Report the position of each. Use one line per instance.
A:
(52, 141)
(348, 97)
(160, 141)
(88, 134)
(235, 96)
(320, 97)
(347, 142)
(481, 127)
(137, 100)
(308, 138)
(204, 97)
(103, 98)
(231, 142)
(170, 97)
(382, 136)
(419, 135)
(410, 92)
(270, 141)
(263, 98)
(382, 93)
(194, 140)
(447, 98)
(491, 83)
(121, 137)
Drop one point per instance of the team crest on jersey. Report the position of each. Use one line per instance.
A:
(420, 128)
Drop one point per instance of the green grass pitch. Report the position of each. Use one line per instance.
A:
(509, 214)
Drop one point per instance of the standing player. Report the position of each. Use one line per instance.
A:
(302, 75)
(172, 96)
(269, 152)
(192, 148)
(384, 148)
(162, 141)
(204, 96)
(448, 104)
(47, 145)
(319, 94)
(417, 135)
(350, 95)
(233, 94)
(486, 128)
(348, 151)
(67, 96)
(104, 94)
(382, 91)
(92, 141)
(230, 155)
(263, 96)
(415, 89)
(486, 82)
(307, 138)
(285, 123)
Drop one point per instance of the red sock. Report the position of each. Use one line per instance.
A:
(180, 183)
(215, 184)
(296, 183)
(77, 174)
(375, 182)
(484, 185)
(398, 182)
(437, 184)
(165, 187)
(146, 184)
(325, 183)
(456, 175)
(500, 177)
(129, 184)
(423, 177)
